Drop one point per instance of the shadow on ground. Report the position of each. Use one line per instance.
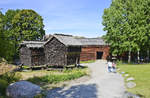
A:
(78, 91)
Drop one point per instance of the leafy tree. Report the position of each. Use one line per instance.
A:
(126, 24)
(27, 25)
(1, 34)
(9, 15)
(5, 43)
(16, 26)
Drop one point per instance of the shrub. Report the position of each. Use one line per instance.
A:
(38, 96)
(119, 62)
(3, 86)
(11, 77)
(7, 79)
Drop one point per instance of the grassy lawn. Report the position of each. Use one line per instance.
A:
(141, 73)
(43, 77)
(90, 61)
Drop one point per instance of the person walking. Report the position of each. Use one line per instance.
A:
(109, 66)
(114, 67)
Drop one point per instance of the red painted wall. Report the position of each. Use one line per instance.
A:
(90, 52)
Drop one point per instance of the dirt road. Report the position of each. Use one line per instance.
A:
(101, 85)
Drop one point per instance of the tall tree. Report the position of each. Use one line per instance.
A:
(125, 24)
(27, 25)
(9, 15)
(16, 26)
(5, 44)
(2, 34)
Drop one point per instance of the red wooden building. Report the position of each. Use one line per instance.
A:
(93, 49)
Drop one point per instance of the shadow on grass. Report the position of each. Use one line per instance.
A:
(78, 91)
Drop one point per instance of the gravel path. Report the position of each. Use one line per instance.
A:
(101, 85)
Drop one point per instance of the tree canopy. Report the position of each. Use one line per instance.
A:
(16, 26)
(127, 25)
(27, 25)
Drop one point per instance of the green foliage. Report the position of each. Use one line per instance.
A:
(25, 67)
(16, 26)
(119, 62)
(27, 25)
(11, 77)
(3, 86)
(7, 79)
(89, 61)
(127, 25)
(5, 44)
(41, 95)
(38, 96)
(56, 78)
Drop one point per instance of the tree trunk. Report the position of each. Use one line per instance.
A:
(147, 56)
(138, 56)
(129, 56)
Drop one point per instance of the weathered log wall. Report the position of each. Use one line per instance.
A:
(25, 56)
(73, 55)
(55, 53)
(37, 56)
(90, 52)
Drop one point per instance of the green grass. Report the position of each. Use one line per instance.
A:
(41, 77)
(141, 73)
(57, 76)
(90, 61)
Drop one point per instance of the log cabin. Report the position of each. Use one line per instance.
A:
(32, 53)
(62, 50)
(58, 50)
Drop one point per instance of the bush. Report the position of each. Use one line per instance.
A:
(7, 79)
(3, 86)
(11, 77)
(119, 62)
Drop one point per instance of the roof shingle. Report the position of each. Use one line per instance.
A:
(67, 40)
(33, 44)
(91, 41)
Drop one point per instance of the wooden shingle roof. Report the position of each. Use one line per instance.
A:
(33, 44)
(91, 41)
(67, 40)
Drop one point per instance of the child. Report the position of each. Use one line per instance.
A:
(113, 67)
(109, 66)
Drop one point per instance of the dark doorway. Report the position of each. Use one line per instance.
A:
(99, 55)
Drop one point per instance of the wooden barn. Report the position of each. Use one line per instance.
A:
(62, 50)
(93, 49)
(58, 50)
(32, 53)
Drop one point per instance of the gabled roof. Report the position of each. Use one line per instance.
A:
(91, 41)
(68, 40)
(33, 44)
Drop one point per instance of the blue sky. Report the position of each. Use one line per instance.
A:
(76, 17)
